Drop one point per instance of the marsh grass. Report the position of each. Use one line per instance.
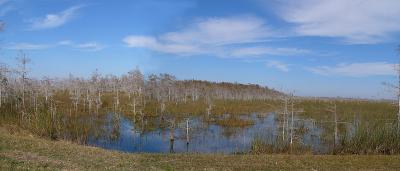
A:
(264, 145)
(372, 138)
(235, 122)
(77, 125)
(21, 151)
(348, 110)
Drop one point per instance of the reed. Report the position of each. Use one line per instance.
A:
(372, 138)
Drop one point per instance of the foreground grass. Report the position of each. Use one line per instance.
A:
(21, 151)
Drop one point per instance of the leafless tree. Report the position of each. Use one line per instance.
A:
(96, 89)
(3, 81)
(333, 110)
(23, 61)
(398, 87)
(135, 87)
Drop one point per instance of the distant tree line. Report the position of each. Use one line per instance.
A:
(23, 93)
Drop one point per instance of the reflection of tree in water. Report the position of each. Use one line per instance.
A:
(116, 124)
(171, 146)
(230, 132)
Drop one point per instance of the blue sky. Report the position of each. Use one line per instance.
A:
(315, 47)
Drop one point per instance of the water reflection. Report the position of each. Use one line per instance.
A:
(204, 135)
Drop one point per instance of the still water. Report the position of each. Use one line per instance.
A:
(200, 135)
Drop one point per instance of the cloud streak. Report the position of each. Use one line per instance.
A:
(55, 20)
(263, 50)
(356, 69)
(26, 46)
(6, 6)
(222, 37)
(354, 21)
(88, 46)
(278, 65)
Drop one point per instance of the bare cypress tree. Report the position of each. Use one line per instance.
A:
(3, 70)
(23, 61)
(116, 85)
(75, 91)
(3, 81)
(285, 118)
(292, 122)
(96, 91)
(398, 88)
(46, 87)
(135, 87)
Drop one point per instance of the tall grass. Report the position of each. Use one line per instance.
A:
(376, 138)
(348, 110)
(266, 145)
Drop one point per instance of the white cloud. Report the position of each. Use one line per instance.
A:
(6, 9)
(153, 44)
(26, 46)
(278, 65)
(90, 46)
(214, 36)
(6, 6)
(65, 42)
(355, 21)
(261, 50)
(55, 20)
(356, 69)
(2, 2)
(220, 31)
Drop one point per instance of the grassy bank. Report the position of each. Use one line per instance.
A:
(20, 150)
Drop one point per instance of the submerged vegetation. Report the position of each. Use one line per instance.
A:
(234, 122)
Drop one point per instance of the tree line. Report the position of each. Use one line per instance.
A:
(25, 94)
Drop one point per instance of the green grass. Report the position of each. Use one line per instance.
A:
(21, 151)
(372, 139)
(348, 110)
(264, 145)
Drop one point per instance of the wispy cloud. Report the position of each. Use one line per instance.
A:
(2, 2)
(262, 50)
(88, 46)
(55, 20)
(6, 6)
(220, 31)
(278, 65)
(26, 46)
(215, 36)
(355, 21)
(154, 44)
(356, 69)
(65, 42)
(5, 10)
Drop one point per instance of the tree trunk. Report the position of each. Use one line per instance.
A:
(336, 128)
(187, 131)
(1, 95)
(134, 109)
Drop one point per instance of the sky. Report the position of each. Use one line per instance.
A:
(324, 48)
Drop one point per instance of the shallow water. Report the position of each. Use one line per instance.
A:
(205, 136)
